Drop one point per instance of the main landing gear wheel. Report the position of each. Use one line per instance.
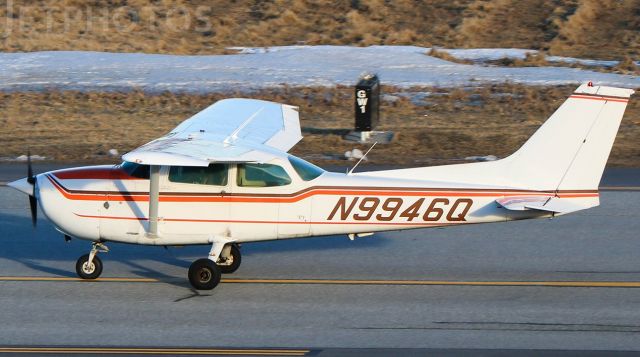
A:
(231, 263)
(204, 274)
(88, 270)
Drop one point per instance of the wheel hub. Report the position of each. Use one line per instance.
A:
(205, 275)
(88, 268)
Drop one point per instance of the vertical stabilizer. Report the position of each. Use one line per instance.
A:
(572, 147)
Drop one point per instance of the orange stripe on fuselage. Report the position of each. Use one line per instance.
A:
(261, 198)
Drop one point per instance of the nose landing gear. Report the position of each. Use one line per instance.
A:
(89, 266)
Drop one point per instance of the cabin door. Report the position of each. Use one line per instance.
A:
(124, 210)
(194, 201)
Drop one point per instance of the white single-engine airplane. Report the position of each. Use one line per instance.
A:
(223, 177)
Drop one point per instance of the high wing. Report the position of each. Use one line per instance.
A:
(230, 130)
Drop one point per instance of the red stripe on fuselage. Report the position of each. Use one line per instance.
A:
(377, 223)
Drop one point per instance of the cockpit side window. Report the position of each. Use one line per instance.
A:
(262, 175)
(136, 170)
(214, 174)
(306, 170)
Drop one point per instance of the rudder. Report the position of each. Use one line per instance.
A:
(570, 150)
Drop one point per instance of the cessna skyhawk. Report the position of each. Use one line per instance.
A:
(223, 177)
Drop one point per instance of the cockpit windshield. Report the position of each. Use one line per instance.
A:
(306, 170)
(136, 170)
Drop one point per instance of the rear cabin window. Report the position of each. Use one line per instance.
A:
(214, 174)
(262, 175)
(136, 170)
(306, 170)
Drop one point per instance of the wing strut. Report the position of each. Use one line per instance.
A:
(154, 198)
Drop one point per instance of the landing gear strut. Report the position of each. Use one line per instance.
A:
(89, 266)
(230, 258)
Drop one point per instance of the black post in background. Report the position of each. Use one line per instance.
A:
(367, 103)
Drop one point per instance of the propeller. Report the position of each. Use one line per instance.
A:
(29, 186)
(33, 201)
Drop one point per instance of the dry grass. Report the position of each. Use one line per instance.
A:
(446, 126)
(530, 60)
(509, 23)
(435, 52)
(582, 28)
(627, 66)
(599, 29)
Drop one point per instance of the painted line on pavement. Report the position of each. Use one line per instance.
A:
(586, 284)
(153, 351)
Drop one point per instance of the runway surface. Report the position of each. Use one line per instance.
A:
(571, 283)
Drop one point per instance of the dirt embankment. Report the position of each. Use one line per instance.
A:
(579, 28)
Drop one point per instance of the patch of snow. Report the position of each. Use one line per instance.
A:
(23, 158)
(585, 62)
(355, 154)
(390, 98)
(482, 55)
(416, 98)
(273, 67)
(481, 158)
(487, 54)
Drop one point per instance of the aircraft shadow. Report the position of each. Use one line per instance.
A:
(43, 249)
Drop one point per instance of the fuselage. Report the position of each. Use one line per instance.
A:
(111, 203)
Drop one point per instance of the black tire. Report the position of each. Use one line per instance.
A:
(204, 274)
(233, 262)
(86, 272)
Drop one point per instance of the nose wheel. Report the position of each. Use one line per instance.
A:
(89, 266)
(88, 270)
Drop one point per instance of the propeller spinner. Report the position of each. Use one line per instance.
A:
(28, 186)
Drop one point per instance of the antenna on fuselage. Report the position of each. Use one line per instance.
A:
(362, 158)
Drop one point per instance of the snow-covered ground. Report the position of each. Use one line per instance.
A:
(483, 55)
(259, 68)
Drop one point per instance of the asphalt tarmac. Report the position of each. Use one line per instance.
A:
(566, 285)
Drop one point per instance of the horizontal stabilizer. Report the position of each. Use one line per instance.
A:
(557, 205)
(540, 203)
